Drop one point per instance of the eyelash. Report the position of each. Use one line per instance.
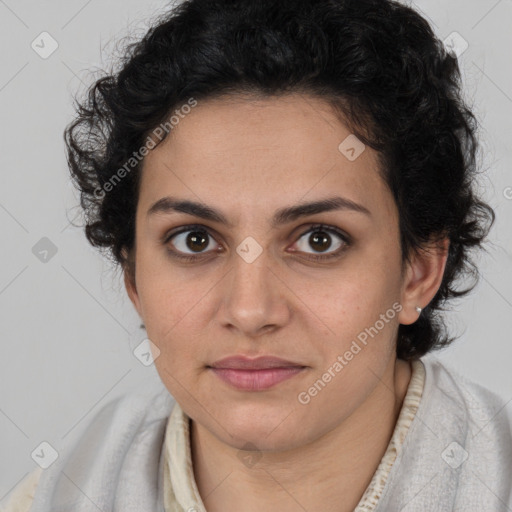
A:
(317, 227)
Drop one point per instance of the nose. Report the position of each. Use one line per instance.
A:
(255, 299)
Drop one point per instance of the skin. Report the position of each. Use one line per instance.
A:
(248, 158)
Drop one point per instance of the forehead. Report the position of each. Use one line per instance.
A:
(249, 152)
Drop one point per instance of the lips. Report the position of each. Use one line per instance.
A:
(258, 363)
(255, 374)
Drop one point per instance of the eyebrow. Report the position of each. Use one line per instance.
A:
(282, 216)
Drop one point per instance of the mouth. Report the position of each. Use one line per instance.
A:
(257, 374)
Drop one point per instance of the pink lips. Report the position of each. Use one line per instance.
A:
(255, 374)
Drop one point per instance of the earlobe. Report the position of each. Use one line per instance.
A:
(131, 289)
(423, 279)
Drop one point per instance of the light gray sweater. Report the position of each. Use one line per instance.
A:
(457, 455)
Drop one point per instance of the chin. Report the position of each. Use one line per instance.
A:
(267, 430)
(256, 440)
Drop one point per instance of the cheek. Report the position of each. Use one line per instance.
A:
(167, 294)
(349, 299)
(359, 321)
(175, 318)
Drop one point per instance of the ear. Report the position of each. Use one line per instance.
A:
(130, 284)
(423, 278)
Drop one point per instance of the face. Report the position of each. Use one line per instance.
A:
(250, 282)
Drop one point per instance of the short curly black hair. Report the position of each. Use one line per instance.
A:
(376, 62)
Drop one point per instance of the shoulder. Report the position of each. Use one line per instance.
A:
(138, 405)
(458, 448)
(114, 426)
(455, 401)
(443, 380)
(110, 428)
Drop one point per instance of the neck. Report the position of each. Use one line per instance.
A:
(322, 475)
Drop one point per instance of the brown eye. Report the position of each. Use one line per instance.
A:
(191, 241)
(196, 241)
(322, 240)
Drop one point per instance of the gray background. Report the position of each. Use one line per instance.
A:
(68, 329)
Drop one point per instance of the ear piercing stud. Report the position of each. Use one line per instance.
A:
(418, 309)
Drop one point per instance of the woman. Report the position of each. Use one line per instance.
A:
(288, 188)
